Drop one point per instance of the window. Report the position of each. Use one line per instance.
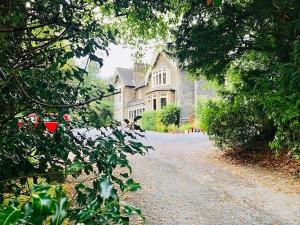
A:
(163, 102)
(159, 77)
(164, 78)
(154, 103)
(149, 98)
(132, 113)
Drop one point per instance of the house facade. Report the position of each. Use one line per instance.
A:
(150, 90)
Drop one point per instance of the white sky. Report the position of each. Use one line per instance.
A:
(119, 56)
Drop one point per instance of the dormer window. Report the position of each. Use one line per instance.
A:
(159, 77)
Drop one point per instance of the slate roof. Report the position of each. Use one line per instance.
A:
(140, 85)
(135, 101)
(126, 76)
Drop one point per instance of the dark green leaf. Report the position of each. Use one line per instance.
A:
(75, 167)
(9, 215)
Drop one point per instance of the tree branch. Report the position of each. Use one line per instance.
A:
(25, 93)
(18, 29)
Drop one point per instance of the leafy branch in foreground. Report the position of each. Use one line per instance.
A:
(95, 201)
(38, 41)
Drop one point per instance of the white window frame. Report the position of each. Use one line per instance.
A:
(157, 77)
(134, 112)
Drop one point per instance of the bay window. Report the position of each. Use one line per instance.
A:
(159, 77)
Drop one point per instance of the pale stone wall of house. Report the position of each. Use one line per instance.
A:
(148, 102)
(185, 96)
(184, 89)
(118, 102)
(171, 97)
(128, 95)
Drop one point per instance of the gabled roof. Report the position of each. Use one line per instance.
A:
(154, 60)
(125, 75)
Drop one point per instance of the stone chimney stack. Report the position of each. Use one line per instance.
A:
(139, 71)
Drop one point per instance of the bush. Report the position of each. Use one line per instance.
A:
(185, 126)
(241, 123)
(203, 113)
(160, 120)
(159, 126)
(170, 115)
(148, 120)
(172, 128)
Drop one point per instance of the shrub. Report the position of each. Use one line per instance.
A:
(203, 113)
(170, 115)
(240, 123)
(148, 120)
(185, 126)
(159, 126)
(172, 128)
(159, 120)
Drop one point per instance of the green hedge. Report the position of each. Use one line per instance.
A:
(162, 119)
(241, 123)
(170, 114)
(148, 120)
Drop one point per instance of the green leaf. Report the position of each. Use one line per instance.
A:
(131, 210)
(132, 186)
(125, 175)
(75, 167)
(86, 213)
(96, 59)
(218, 3)
(9, 215)
(61, 207)
(137, 118)
(26, 213)
(42, 204)
(106, 187)
(60, 212)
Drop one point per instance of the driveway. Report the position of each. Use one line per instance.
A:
(183, 185)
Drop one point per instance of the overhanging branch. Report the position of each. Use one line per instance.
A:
(25, 93)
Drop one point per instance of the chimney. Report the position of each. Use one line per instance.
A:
(139, 71)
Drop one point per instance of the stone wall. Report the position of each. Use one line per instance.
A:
(185, 96)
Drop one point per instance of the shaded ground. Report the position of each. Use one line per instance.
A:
(185, 182)
(283, 164)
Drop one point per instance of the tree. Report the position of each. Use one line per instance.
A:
(38, 41)
(257, 41)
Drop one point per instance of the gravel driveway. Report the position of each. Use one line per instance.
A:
(183, 186)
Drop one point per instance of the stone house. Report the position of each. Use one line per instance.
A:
(147, 90)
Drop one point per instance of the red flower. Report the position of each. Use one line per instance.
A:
(66, 117)
(51, 126)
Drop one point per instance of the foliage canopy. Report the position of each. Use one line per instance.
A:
(257, 44)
